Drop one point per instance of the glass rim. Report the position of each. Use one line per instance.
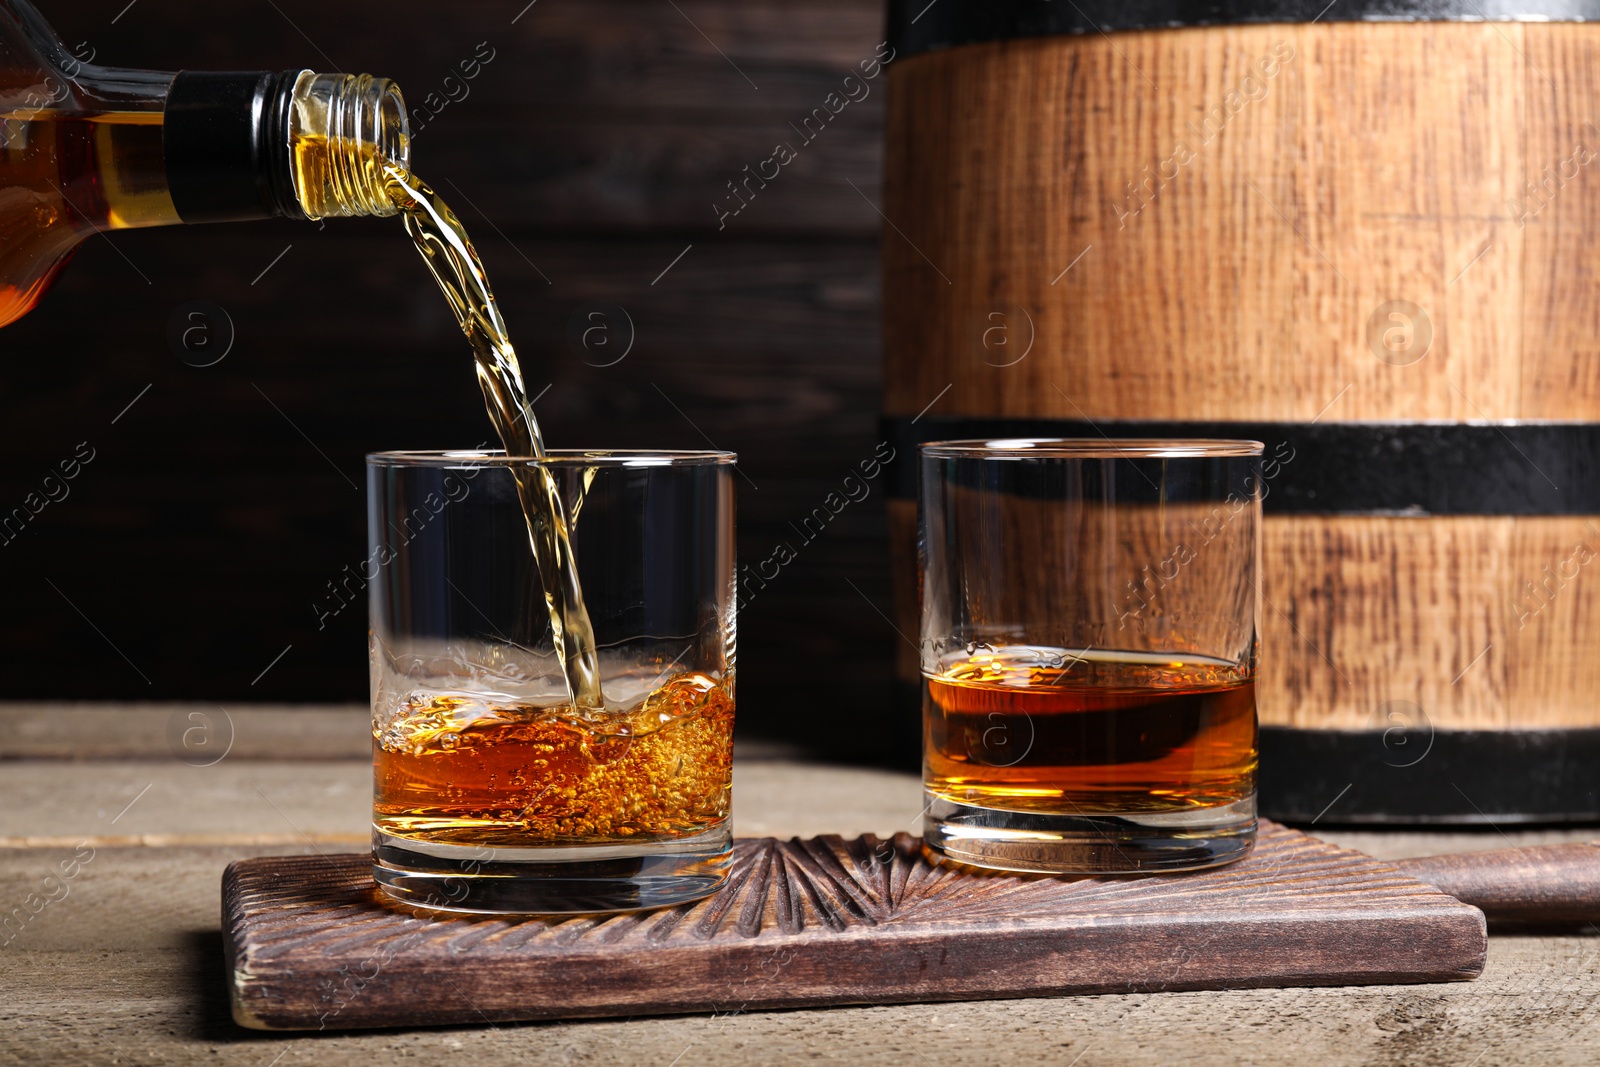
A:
(456, 458)
(1093, 448)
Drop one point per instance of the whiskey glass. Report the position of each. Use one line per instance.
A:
(494, 791)
(1088, 652)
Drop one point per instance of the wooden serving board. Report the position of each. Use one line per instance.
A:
(310, 945)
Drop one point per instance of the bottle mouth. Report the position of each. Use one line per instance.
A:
(345, 131)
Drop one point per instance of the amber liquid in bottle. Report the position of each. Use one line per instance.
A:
(67, 176)
(71, 168)
(1083, 733)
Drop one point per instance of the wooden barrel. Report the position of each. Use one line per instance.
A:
(1367, 234)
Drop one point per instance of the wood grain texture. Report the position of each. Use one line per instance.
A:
(1381, 161)
(1532, 1007)
(828, 921)
(197, 734)
(1560, 371)
(1471, 622)
(1457, 616)
(129, 968)
(1359, 612)
(1548, 884)
(1362, 163)
(592, 118)
(150, 803)
(901, 516)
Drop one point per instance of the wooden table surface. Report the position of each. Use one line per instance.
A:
(122, 963)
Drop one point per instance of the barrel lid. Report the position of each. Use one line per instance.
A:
(925, 25)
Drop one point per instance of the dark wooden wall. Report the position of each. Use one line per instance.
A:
(586, 156)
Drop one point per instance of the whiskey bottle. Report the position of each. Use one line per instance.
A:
(87, 149)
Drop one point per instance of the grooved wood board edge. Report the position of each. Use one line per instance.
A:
(825, 921)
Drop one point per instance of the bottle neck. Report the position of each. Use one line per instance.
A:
(256, 145)
(344, 131)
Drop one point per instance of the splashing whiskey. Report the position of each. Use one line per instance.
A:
(455, 265)
(450, 768)
(454, 771)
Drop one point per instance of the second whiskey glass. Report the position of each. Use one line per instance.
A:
(1089, 652)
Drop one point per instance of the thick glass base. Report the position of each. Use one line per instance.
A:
(1037, 842)
(583, 879)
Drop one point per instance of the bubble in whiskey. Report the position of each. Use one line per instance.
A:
(451, 769)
